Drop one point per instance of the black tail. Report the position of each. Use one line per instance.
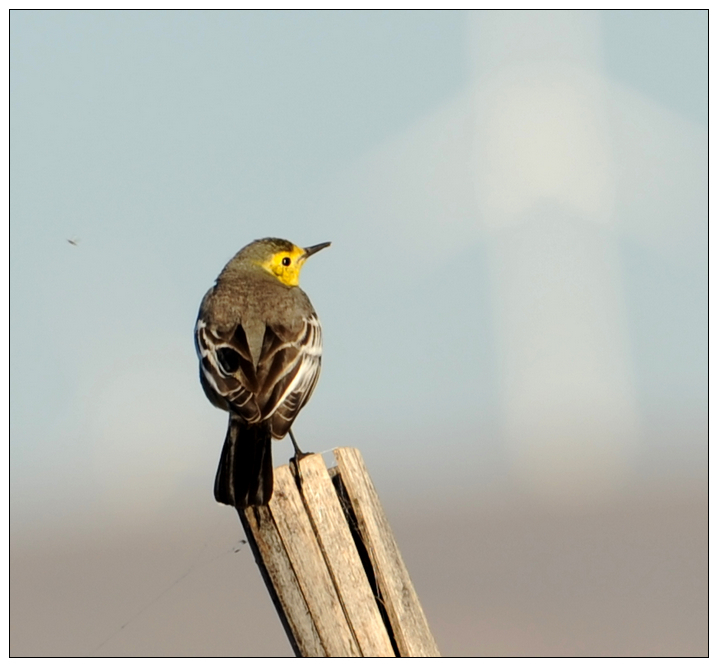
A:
(245, 476)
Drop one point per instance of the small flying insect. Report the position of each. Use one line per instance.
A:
(74, 241)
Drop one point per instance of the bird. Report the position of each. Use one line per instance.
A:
(259, 344)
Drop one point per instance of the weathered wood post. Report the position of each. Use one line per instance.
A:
(332, 566)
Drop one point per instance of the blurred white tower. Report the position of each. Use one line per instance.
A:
(545, 194)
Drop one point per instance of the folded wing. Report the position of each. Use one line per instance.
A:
(282, 382)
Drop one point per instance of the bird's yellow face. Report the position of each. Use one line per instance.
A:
(286, 265)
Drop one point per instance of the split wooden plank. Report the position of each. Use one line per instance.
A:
(307, 561)
(408, 622)
(342, 558)
(332, 566)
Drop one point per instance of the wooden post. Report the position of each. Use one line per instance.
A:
(332, 566)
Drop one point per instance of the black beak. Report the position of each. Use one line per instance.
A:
(308, 252)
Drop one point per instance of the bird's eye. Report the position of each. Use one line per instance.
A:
(286, 261)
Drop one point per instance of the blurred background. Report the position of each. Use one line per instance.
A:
(514, 309)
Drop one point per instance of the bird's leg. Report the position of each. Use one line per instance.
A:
(298, 453)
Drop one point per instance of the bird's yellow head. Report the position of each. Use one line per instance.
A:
(281, 258)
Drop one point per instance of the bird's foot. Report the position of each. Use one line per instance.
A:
(298, 453)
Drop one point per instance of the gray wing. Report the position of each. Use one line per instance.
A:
(226, 370)
(297, 364)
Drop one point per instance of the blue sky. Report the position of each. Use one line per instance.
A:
(165, 141)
